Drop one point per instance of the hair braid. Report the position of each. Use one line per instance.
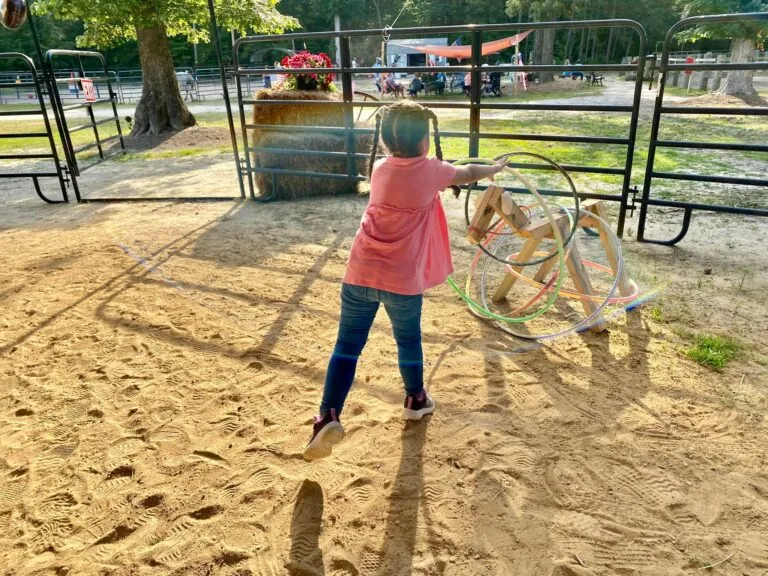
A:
(438, 147)
(376, 133)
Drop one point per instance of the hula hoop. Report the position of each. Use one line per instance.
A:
(562, 250)
(523, 180)
(584, 323)
(484, 310)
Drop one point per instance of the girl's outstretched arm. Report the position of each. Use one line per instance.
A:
(476, 172)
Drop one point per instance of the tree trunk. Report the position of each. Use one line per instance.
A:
(161, 107)
(537, 46)
(568, 46)
(548, 54)
(609, 46)
(378, 14)
(611, 37)
(739, 82)
(337, 28)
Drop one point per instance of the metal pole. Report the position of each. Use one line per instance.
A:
(349, 120)
(35, 38)
(91, 115)
(220, 58)
(632, 135)
(476, 90)
(654, 138)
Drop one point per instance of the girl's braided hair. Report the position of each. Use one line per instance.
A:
(403, 126)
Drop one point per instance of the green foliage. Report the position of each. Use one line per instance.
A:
(109, 23)
(752, 30)
(52, 35)
(713, 351)
(541, 9)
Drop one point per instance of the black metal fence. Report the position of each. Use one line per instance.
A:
(246, 168)
(35, 172)
(660, 109)
(101, 144)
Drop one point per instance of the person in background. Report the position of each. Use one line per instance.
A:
(392, 85)
(377, 76)
(440, 81)
(567, 73)
(415, 86)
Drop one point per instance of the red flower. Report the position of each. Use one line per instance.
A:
(305, 59)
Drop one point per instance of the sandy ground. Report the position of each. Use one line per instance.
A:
(161, 364)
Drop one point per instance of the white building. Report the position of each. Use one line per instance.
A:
(401, 54)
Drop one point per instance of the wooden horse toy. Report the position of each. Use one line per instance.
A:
(495, 201)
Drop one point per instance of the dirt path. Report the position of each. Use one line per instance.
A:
(161, 363)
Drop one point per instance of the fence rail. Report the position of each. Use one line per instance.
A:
(35, 172)
(651, 174)
(242, 72)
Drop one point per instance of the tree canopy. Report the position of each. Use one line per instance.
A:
(108, 23)
(752, 30)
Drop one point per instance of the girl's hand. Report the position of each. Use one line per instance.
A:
(498, 167)
(475, 172)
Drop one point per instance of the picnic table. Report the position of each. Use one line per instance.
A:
(593, 79)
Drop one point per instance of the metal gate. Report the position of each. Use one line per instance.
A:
(58, 171)
(60, 113)
(660, 109)
(246, 168)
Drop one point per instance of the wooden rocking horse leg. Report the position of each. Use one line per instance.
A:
(584, 286)
(546, 267)
(625, 289)
(509, 279)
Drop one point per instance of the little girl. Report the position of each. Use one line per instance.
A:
(401, 249)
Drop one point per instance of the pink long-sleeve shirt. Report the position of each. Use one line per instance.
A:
(402, 245)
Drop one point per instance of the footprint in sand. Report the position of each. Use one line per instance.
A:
(754, 546)
(305, 555)
(359, 492)
(125, 447)
(12, 488)
(211, 458)
(58, 504)
(114, 481)
(186, 522)
(370, 562)
(651, 487)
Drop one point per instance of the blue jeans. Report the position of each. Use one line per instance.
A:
(359, 306)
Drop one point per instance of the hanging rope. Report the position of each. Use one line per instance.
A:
(386, 32)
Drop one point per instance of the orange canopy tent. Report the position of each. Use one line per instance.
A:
(461, 52)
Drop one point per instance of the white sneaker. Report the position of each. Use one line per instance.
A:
(416, 407)
(326, 433)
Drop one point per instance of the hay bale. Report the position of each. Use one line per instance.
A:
(294, 187)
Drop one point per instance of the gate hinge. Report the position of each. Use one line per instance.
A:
(631, 205)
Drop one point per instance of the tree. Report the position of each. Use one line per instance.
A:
(151, 24)
(544, 42)
(743, 36)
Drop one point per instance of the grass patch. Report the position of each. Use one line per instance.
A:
(701, 128)
(713, 351)
(657, 313)
(175, 153)
(41, 144)
(680, 91)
